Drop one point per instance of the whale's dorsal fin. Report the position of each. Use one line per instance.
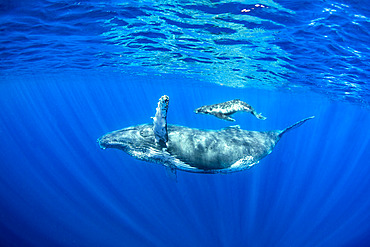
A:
(171, 172)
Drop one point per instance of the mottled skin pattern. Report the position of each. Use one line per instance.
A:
(226, 109)
(195, 150)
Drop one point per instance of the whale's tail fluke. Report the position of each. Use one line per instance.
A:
(297, 124)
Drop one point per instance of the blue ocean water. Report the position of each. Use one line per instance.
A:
(72, 71)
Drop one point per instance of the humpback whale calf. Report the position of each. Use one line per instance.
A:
(194, 150)
(225, 109)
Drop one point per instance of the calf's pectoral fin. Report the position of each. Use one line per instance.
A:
(224, 117)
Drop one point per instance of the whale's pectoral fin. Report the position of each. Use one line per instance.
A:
(224, 117)
(160, 122)
(257, 115)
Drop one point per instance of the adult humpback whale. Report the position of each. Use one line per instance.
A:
(194, 150)
(225, 109)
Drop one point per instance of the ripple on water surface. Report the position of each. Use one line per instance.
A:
(321, 46)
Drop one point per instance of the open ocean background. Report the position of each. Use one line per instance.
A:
(71, 71)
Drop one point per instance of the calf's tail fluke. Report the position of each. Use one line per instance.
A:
(297, 124)
(258, 115)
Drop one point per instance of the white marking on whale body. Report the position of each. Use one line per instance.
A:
(246, 161)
